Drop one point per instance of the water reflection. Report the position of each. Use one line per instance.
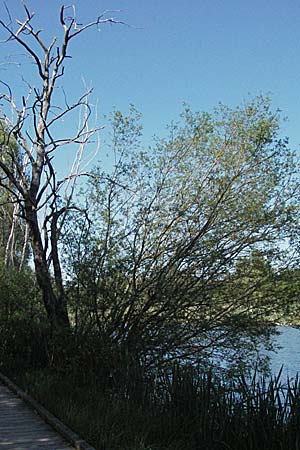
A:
(289, 353)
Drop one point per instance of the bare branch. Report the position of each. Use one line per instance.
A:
(24, 44)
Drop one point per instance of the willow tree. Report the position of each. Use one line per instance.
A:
(29, 174)
(158, 267)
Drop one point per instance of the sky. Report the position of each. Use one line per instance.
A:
(197, 51)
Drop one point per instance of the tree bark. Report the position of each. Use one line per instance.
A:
(55, 303)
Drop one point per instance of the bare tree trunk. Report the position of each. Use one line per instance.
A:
(55, 303)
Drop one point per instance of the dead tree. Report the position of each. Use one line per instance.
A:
(29, 174)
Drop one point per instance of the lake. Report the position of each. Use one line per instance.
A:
(289, 353)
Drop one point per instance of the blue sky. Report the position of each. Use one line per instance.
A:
(198, 51)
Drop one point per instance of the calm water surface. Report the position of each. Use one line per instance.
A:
(289, 353)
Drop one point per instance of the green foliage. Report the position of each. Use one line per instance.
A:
(286, 292)
(157, 267)
(9, 147)
(22, 330)
(13, 246)
(18, 295)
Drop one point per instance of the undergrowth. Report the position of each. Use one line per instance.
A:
(181, 408)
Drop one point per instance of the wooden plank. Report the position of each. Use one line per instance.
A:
(22, 429)
(64, 431)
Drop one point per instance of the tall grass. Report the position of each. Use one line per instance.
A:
(182, 408)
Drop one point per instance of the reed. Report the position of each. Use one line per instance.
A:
(179, 408)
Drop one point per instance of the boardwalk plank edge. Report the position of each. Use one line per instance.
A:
(48, 417)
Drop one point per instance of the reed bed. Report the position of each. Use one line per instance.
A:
(180, 408)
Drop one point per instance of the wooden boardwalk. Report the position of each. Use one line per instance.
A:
(23, 429)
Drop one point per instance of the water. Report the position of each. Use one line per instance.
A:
(289, 353)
